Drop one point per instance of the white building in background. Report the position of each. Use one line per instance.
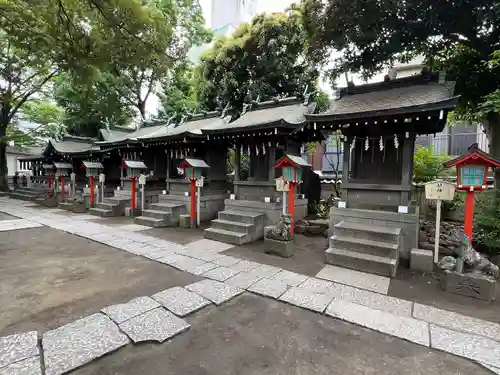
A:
(232, 12)
(225, 17)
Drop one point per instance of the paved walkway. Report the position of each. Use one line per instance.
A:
(347, 295)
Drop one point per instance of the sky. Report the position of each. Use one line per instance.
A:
(263, 6)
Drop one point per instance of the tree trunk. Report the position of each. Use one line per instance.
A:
(4, 185)
(492, 129)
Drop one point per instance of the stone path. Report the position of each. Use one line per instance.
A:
(159, 317)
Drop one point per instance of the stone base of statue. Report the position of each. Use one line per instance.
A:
(471, 284)
(284, 249)
(280, 247)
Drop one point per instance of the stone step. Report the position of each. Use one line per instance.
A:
(105, 206)
(240, 216)
(101, 212)
(151, 222)
(162, 215)
(23, 196)
(232, 226)
(117, 200)
(175, 208)
(68, 206)
(367, 231)
(226, 236)
(378, 248)
(361, 262)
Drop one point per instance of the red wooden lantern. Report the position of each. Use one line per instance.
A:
(472, 175)
(92, 169)
(292, 174)
(193, 172)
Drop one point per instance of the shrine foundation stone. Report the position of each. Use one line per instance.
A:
(421, 260)
(470, 284)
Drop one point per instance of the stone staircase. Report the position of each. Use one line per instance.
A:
(28, 194)
(236, 227)
(162, 214)
(365, 247)
(112, 206)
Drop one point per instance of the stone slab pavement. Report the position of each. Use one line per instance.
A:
(252, 335)
(359, 306)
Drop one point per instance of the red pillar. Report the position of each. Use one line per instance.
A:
(469, 213)
(193, 203)
(50, 180)
(62, 188)
(291, 205)
(133, 196)
(92, 190)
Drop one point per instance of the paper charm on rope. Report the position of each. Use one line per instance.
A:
(396, 141)
(256, 150)
(263, 149)
(367, 144)
(248, 150)
(241, 150)
(353, 143)
(381, 143)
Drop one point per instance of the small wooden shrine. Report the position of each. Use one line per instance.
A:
(378, 124)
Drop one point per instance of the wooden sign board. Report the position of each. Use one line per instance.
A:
(440, 190)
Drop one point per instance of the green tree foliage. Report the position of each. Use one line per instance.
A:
(178, 93)
(459, 37)
(90, 105)
(263, 59)
(136, 40)
(427, 166)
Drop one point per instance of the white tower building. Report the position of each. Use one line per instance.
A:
(232, 12)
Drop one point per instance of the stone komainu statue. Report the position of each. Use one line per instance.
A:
(281, 232)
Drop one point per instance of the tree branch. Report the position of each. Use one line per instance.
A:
(27, 95)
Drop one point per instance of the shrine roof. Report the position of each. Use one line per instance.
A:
(191, 126)
(73, 145)
(294, 160)
(195, 163)
(279, 112)
(109, 135)
(134, 164)
(413, 94)
(92, 164)
(473, 155)
(63, 166)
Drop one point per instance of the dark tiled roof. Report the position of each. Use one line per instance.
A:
(288, 111)
(74, 145)
(112, 134)
(192, 126)
(409, 93)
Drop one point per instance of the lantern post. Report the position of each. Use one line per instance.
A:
(92, 169)
(193, 172)
(292, 167)
(472, 176)
(62, 169)
(134, 171)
